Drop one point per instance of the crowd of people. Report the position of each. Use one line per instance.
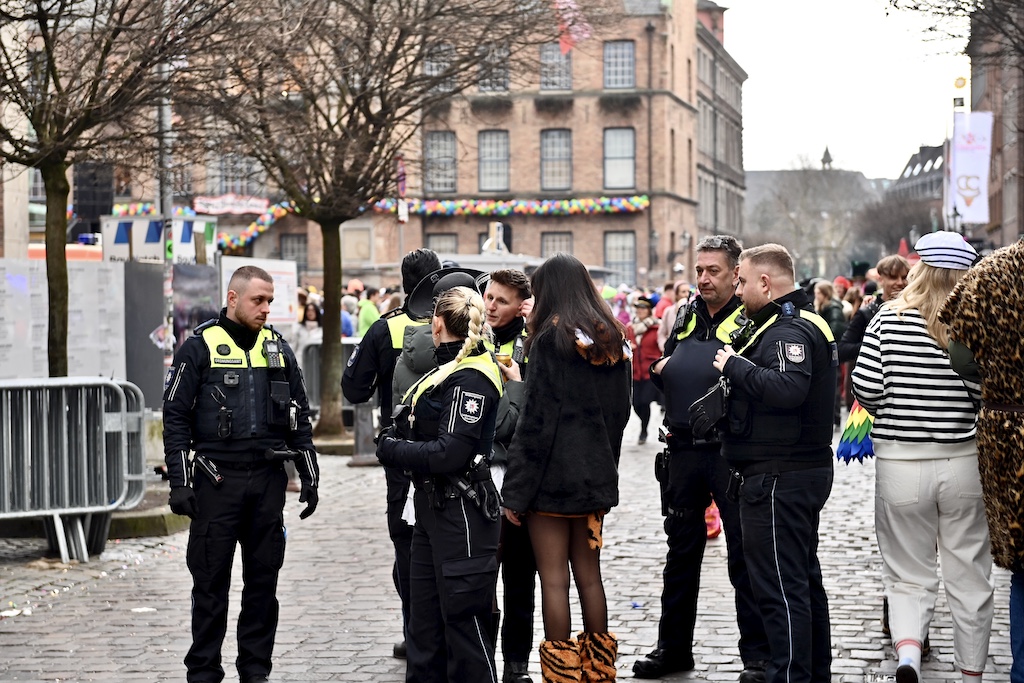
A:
(494, 466)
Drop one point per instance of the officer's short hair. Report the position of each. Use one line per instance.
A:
(774, 256)
(240, 278)
(516, 279)
(417, 265)
(726, 243)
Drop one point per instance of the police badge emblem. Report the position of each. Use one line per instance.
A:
(471, 407)
(795, 353)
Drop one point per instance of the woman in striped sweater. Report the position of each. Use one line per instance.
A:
(927, 488)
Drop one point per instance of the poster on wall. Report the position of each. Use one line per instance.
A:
(284, 310)
(196, 298)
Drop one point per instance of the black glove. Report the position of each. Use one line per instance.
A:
(385, 431)
(183, 502)
(309, 496)
(709, 409)
(489, 499)
(385, 447)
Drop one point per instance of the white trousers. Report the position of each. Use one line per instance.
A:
(921, 505)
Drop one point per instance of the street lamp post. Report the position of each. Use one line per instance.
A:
(954, 220)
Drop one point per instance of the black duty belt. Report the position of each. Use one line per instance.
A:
(244, 461)
(683, 436)
(777, 466)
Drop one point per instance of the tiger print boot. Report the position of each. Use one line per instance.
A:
(597, 656)
(560, 661)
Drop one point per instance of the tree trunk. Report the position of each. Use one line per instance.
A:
(331, 423)
(55, 181)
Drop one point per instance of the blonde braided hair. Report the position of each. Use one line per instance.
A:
(462, 310)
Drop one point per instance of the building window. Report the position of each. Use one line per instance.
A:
(555, 68)
(295, 248)
(619, 64)
(619, 158)
(620, 255)
(552, 243)
(444, 243)
(37, 190)
(239, 175)
(493, 160)
(556, 159)
(439, 155)
(438, 62)
(494, 69)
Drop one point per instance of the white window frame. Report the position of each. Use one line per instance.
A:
(556, 159)
(493, 155)
(619, 158)
(440, 163)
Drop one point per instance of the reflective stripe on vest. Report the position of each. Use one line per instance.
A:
(722, 332)
(810, 317)
(397, 325)
(483, 363)
(216, 337)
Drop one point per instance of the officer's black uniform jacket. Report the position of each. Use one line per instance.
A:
(192, 399)
(372, 363)
(454, 422)
(689, 372)
(782, 391)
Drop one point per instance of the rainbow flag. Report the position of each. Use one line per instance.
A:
(856, 439)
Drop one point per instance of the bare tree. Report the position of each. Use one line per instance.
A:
(329, 92)
(886, 222)
(810, 211)
(995, 28)
(78, 82)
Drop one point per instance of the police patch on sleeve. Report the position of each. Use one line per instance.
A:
(471, 407)
(352, 358)
(169, 377)
(794, 353)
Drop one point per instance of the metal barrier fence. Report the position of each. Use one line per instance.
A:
(71, 452)
(311, 372)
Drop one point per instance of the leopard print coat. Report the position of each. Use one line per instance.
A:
(985, 313)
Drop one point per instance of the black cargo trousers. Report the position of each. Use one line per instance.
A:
(453, 571)
(696, 472)
(246, 509)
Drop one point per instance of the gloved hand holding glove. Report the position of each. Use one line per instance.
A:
(183, 501)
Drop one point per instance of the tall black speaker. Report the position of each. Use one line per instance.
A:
(94, 196)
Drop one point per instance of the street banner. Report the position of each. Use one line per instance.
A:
(970, 157)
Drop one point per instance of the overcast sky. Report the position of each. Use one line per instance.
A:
(841, 73)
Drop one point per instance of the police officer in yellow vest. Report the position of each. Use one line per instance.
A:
(781, 373)
(370, 370)
(234, 392)
(444, 440)
(691, 471)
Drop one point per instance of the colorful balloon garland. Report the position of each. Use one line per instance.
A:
(256, 228)
(521, 207)
(134, 209)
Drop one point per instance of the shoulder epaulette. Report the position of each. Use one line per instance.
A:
(202, 326)
(392, 313)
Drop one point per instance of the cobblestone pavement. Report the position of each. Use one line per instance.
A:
(124, 616)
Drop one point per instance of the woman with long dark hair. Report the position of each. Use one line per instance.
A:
(563, 460)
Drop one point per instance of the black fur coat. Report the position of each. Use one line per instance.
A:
(564, 456)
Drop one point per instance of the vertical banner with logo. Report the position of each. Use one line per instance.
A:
(970, 156)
